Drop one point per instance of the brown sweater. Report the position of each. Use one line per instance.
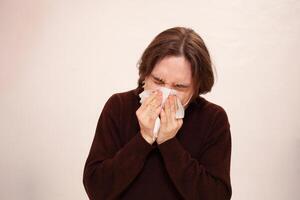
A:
(193, 165)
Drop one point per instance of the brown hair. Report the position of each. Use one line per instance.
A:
(180, 41)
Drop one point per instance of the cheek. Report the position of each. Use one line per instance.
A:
(183, 97)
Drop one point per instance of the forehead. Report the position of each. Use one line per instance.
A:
(173, 69)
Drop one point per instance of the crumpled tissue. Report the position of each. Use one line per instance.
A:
(165, 93)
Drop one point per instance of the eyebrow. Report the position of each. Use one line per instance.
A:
(162, 81)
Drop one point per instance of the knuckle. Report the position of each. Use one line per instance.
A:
(151, 117)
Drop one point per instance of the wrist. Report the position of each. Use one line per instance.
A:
(148, 139)
(162, 140)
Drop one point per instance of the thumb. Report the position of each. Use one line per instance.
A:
(179, 122)
(163, 118)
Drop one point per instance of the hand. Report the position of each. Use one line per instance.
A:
(147, 114)
(169, 125)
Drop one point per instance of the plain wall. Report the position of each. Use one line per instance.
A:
(61, 60)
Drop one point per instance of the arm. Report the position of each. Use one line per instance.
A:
(208, 177)
(110, 168)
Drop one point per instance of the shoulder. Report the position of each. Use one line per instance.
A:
(214, 118)
(122, 100)
(215, 112)
(124, 97)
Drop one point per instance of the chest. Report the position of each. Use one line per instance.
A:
(192, 135)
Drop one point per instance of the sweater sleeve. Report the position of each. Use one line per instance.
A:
(111, 167)
(207, 177)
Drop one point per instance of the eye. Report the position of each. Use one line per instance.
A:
(159, 82)
(180, 86)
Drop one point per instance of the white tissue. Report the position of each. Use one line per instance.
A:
(165, 93)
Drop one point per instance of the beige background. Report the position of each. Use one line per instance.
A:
(61, 60)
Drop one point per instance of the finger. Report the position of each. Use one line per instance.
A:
(176, 105)
(172, 115)
(163, 118)
(154, 106)
(179, 123)
(148, 100)
(157, 101)
(173, 106)
(158, 110)
(151, 98)
(152, 110)
(167, 107)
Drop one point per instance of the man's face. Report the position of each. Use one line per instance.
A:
(172, 72)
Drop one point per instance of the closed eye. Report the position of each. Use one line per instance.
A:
(181, 86)
(159, 82)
